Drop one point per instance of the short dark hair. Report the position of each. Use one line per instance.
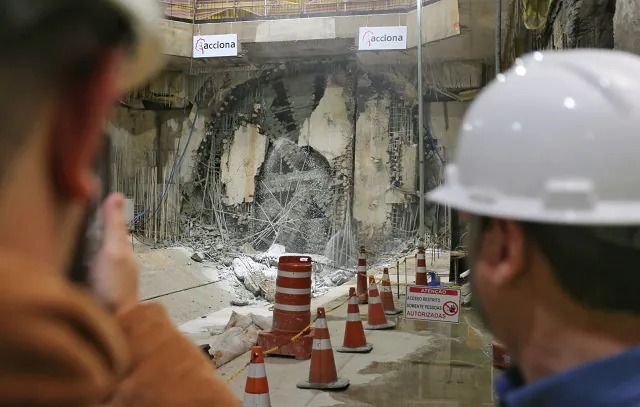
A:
(46, 44)
(594, 265)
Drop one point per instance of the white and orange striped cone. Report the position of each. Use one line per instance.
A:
(361, 276)
(354, 339)
(376, 319)
(256, 391)
(387, 295)
(322, 372)
(421, 267)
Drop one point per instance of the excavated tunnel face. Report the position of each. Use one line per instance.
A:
(293, 201)
(294, 198)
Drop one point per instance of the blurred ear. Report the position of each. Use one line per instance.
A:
(503, 251)
(79, 117)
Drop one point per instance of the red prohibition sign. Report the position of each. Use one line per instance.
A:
(450, 308)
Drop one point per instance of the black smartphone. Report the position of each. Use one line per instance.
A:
(90, 238)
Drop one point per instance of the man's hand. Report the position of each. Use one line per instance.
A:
(114, 273)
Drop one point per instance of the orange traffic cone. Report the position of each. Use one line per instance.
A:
(387, 295)
(361, 278)
(376, 319)
(256, 391)
(322, 372)
(421, 267)
(354, 339)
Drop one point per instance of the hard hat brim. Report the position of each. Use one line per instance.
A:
(146, 56)
(534, 210)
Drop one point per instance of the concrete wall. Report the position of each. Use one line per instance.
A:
(261, 124)
(440, 20)
(329, 129)
(445, 120)
(241, 162)
(626, 30)
(144, 149)
(371, 180)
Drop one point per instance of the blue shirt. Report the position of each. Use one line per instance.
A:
(610, 382)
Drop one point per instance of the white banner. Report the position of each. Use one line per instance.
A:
(432, 304)
(381, 38)
(215, 46)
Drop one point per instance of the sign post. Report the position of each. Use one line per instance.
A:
(432, 304)
(398, 276)
(406, 282)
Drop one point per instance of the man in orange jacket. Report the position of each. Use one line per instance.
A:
(64, 65)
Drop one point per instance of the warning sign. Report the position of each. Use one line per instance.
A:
(432, 304)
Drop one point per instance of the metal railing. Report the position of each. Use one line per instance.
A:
(239, 10)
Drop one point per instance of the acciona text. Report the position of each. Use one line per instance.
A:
(219, 45)
(387, 38)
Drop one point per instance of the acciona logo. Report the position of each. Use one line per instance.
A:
(202, 45)
(212, 46)
(382, 38)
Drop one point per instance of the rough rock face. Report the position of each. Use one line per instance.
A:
(587, 23)
(626, 30)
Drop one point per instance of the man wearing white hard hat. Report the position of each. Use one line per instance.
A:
(547, 171)
(64, 64)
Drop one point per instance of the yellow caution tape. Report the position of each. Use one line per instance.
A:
(292, 339)
(299, 334)
(236, 374)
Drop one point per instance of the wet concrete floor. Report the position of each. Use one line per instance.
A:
(453, 369)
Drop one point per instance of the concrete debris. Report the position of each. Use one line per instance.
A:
(232, 343)
(199, 257)
(238, 336)
(248, 249)
(257, 278)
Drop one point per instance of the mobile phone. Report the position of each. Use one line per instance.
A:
(90, 238)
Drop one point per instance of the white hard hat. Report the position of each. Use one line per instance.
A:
(556, 139)
(147, 56)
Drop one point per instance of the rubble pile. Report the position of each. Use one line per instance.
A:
(249, 273)
(253, 276)
(207, 243)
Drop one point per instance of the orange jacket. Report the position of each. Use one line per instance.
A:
(59, 348)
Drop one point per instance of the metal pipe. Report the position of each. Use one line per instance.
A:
(421, 173)
(398, 277)
(498, 60)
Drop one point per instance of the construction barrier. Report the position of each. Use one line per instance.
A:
(361, 279)
(294, 279)
(292, 309)
(500, 358)
(421, 267)
(322, 370)
(376, 318)
(354, 337)
(387, 295)
(256, 390)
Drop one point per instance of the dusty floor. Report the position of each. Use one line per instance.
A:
(168, 270)
(419, 364)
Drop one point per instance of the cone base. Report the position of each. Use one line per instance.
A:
(394, 311)
(358, 349)
(256, 400)
(339, 384)
(388, 325)
(300, 348)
